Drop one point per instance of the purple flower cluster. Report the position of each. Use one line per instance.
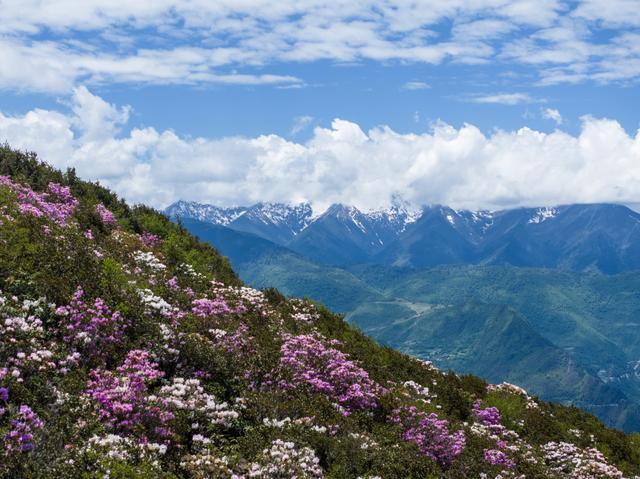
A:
(4, 397)
(89, 327)
(497, 457)
(122, 395)
(106, 216)
(430, 433)
(172, 284)
(210, 308)
(306, 359)
(489, 423)
(149, 239)
(58, 204)
(20, 437)
(488, 416)
(238, 342)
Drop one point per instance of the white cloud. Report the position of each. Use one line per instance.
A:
(415, 85)
(94, 118)
(503, 98)
(571, 52)
(300, 123)
(51, 67)
(460, 167)
(54, 45)
(612, 13)
(552, 114)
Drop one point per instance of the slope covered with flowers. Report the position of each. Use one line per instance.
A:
(130, 350)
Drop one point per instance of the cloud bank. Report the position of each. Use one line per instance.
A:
(461, 167)
(73, 42)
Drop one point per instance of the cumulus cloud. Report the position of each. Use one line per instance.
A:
(231, 42)
(461, 167)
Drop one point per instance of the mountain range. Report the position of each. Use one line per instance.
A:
(590, 237)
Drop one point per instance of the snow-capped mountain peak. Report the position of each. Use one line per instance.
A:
(205, 212)
(295, 216)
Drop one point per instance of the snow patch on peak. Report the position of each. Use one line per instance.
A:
(481, 215)
(293, 218)
(543, 214)
(354, 214)
(400, 213)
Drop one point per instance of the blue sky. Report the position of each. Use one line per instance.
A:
(454, 101)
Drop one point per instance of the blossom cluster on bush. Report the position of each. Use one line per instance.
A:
(57, 204)
(149, 261)
(304, 312)
(121, 396)
(568, 461)
(242, 299)
(206, 464)
(488, 424)
(150, 240)
(210, 308)
(90, 327)
(106, 216)
(123, 448)
(24, 343)
(430, 433)
(489, 416)
(23, 426)
(284, 459)
(189, 396)
(312, 361)
(154, 303)
(496, 457)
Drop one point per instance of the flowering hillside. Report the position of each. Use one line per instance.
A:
(130, 350)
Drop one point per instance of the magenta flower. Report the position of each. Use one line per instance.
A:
(306, 360)
(498, 458)
(149, 239)
(488, 416)
(58, 204)
(121, 396)
(106, 216)
(90, 327)
(430, 433)
(210, 308)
